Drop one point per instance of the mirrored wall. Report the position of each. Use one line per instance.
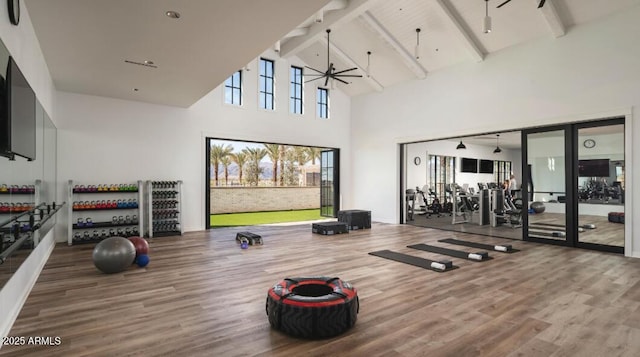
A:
(27, 189)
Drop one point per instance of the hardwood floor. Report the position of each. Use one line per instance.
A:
(201, 295)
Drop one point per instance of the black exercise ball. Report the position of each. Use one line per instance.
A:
(537, 207)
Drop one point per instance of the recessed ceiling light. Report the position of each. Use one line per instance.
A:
(173, 14)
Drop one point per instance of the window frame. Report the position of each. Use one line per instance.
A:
(264, 78)
(232, 88)
(320, 105)
(293, 85)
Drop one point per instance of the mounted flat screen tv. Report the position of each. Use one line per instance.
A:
(486, 166)
(593, 168)
(18, 116)
(469, 165)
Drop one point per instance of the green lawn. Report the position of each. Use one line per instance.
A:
(253, 218)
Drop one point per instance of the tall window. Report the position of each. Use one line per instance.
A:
(233, 89)
(323, 103)
(295, 95)
(266, 84)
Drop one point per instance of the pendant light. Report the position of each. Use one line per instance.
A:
(461, 146)
(497, 150)
(486, 26)
(368, 70)
(417, 49)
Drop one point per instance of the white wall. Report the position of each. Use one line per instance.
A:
(24, 47)
(590, 73)
(104, 140)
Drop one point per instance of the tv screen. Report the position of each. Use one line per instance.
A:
(469, 165)
(486, 166)
(18, 116)
(593, 168)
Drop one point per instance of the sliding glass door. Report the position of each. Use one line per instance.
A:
(329, 182)
(574, 185)
(600, 185)
(545, 190)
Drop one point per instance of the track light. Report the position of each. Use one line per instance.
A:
(417, 49)
(497, 149)
(319, 17)
(461, 146)
(368, 70)
(486, 27)
(276, 47)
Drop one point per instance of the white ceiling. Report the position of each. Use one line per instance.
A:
(85, 42)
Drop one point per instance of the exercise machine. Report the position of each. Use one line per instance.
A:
(504, 211)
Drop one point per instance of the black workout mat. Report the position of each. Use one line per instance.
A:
(446, 251)
(409, 259)
(536, 227)
(534, 232)
(477, 245)
(585, 226)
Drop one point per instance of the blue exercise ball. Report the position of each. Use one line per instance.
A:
(142, 260)
(113, 255)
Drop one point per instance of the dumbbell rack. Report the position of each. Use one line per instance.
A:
(103, 226)
(10, 205)
(164, 208)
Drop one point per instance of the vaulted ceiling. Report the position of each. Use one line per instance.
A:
(86, 42)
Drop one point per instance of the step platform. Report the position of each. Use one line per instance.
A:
(252, 238)
(355, 218)
(329, 228)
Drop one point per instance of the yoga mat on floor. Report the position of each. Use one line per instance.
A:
(535, 226)
(554, 234)
(584, 226)
(481, 256)
(503, 248)
(410, 259)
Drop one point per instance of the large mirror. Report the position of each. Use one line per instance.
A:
(25, 184)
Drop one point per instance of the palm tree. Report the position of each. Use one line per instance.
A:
(300, 153)
(283, 151)
(216, 154)
(254, 170)
(226, 161)
(240, 158)
(273, 151)
(313, 153)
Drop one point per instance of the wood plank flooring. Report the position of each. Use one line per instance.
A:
(201, 295)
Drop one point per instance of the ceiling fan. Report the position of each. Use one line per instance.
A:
(541, 4)
(330, 73)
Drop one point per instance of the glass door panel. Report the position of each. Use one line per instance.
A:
(547, 186)
(601, 184)
(329, 184)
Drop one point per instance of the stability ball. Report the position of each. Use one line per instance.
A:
(537, 207)
(113, 255)
(141, 245)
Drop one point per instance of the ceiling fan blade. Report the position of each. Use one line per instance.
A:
(504, 3)
(345, 70)
(315, 79)
(340, 80)
(349, 75)
(313, 69)
(541, 3)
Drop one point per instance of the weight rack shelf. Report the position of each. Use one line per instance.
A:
(105, 225)
(103, 209)
(76, 195)
(164, 204)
